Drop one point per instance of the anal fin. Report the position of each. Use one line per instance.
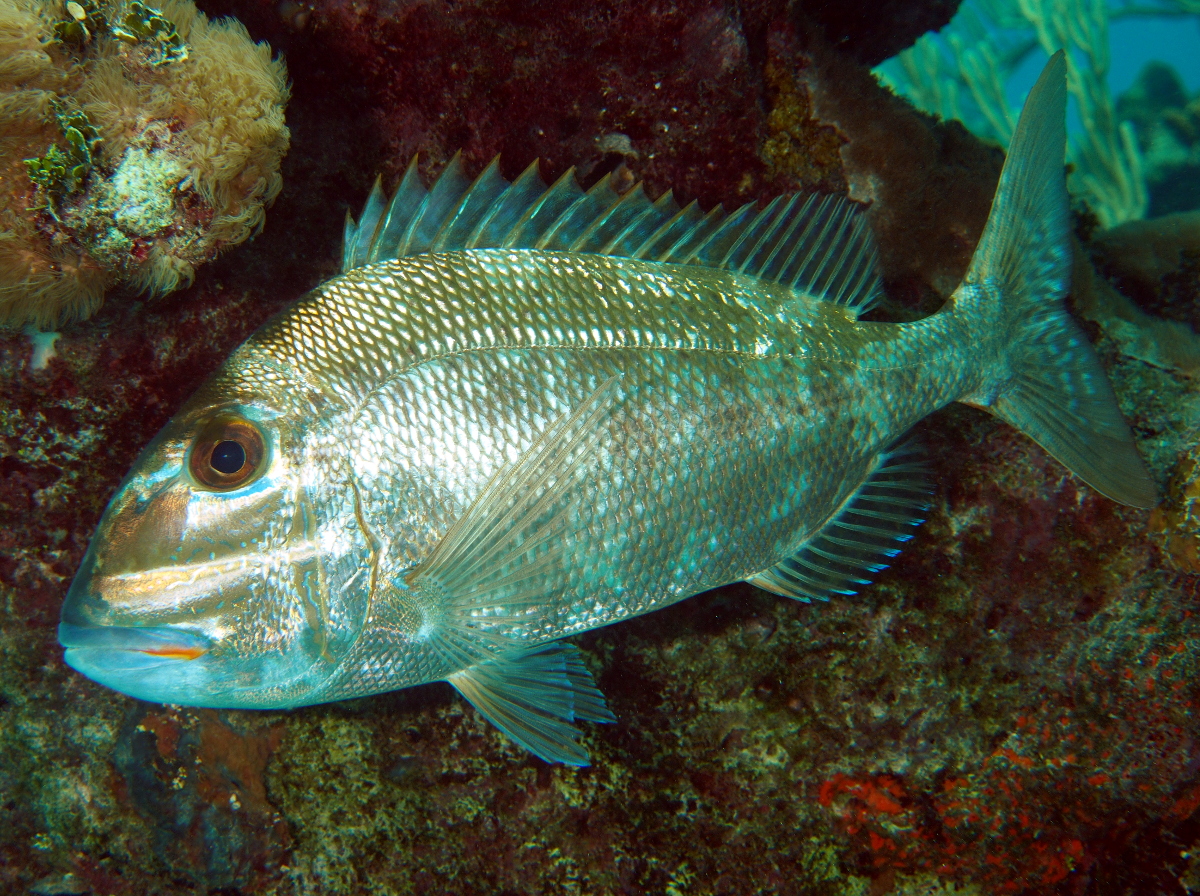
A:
(534, 695)
(861, 537)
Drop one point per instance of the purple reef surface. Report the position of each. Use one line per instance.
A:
(1010, 709)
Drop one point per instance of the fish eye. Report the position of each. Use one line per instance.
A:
(227, 453)
(228, 457)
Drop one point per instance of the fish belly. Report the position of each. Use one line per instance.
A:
(702, 467)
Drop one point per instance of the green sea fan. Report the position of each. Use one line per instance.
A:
(962, 73)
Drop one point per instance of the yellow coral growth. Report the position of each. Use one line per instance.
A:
(188, 158)
(1177, 520)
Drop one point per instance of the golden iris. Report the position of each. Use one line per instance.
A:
(227, 453)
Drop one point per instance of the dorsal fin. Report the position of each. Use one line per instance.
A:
(819, 245)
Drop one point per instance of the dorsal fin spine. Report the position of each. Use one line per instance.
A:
(551, 195)
(581, 241)
(819, 247)
(690, 212)
(683, 249)
(516, 189)
(404, 240)
(581, 204)
(479, 187)
(349, 235)
(368, 225)
(407, 241)
(729, 227)
(407, 197)
(661, 231)
(726, 229)
(443, 197)
(630, 197)
(666, 205)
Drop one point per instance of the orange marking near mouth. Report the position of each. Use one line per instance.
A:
(176, 653)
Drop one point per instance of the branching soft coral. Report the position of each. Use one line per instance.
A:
(961, 74)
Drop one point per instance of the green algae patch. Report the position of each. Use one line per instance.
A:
(143, 25)
(59, 173)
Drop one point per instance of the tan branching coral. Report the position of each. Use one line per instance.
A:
(136, 143)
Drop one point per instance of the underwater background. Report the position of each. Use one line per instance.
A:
(1012, 708)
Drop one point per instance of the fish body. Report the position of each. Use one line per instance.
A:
(523, 413)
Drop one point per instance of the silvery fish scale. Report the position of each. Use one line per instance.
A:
(733, 419)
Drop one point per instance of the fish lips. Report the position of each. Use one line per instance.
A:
(151, 662)
(156, 663)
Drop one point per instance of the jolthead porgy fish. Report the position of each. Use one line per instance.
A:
(524, 412)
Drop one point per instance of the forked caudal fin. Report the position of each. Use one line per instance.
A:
(1048, 381)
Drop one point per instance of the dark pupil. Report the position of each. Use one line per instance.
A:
(228, 457)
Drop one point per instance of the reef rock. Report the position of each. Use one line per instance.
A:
(1010, 708)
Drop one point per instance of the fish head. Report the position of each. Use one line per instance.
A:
(208, 579)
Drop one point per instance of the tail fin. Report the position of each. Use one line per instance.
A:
(1050, 384)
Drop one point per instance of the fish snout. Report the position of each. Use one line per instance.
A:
(139, 660)
(83, 607)
(143, 527)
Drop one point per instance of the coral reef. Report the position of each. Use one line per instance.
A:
(136, 143)
(1010, 709)
(1167, 124)
(961, 74)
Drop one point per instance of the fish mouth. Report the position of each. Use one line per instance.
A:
(86, 631)
(145, 645)
(160, 664)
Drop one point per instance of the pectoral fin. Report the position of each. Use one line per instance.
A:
(493, 569)
(534, 695)
(494, 573)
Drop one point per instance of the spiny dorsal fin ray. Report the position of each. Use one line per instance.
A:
(404, 205)
(496, 223)
(360, 238)
(577, 217)
(439, 203)
(819, 245)
(862, 537)
(479, 197)
(533, 695)
(543, 213)
(633, 221)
